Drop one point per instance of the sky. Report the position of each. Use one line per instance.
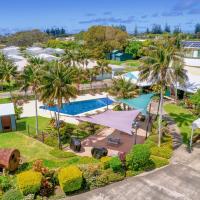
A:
(77, 15)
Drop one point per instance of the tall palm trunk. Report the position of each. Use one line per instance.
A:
(36, 114)
(176, 92)
(58, 128)
(160, 118)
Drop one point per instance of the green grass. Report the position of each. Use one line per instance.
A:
(5, 100)
(30, 148)
(31, 121)
(183, 119)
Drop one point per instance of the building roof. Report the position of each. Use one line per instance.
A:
(47, 57)
(7, 109)
(192, 85)
(191, 44)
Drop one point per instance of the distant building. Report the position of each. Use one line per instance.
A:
(34, 50)
(7, 117)
(119, 56)
(11, 50)
(47, 57)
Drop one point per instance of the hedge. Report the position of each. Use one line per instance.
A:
(138, 157)
(13, 195)
(70, 179)
(29, 182)
(115, 164)
(105, 162)
(158, 161)
(163, 152)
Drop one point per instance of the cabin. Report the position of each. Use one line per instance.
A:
(7, 117)
(119, 56)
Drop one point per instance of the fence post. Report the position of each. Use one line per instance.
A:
(28, 130)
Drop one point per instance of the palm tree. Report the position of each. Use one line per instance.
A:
(156, 69)
(30, 79)
(70, 58)
(123, 89)
(8, 73)
(102, 67)
(56, 86)
(180, 76)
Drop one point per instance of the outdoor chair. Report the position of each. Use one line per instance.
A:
(113, 141)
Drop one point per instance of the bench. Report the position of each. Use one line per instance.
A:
(113, 141)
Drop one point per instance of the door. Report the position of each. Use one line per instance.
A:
(6, 123)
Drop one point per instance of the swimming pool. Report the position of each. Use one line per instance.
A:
(78, 107)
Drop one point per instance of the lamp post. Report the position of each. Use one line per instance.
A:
(135, 125)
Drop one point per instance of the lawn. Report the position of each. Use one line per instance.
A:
(23, 123)
(5, 100)
(30, 148)
(183, 119)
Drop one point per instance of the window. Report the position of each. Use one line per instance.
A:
(198, 54)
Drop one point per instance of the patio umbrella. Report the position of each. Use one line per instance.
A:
(120, 120)
(195, 125)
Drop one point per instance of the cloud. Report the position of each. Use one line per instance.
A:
(109, 20)
(172, 13)
(107, 13)
(90, 14)
(192, 7)
(144, 16)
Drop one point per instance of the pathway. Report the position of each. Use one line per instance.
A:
(178, 181)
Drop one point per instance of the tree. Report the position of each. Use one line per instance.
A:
(9, 73)
(102, 67)
(123, 89)
(195, 99)
(156, 29)
(167, 28)
(30, 79)
(177, 30)
(56, 85)
(147, 31)
(197, 28)
(136, 31)
(133, 48)
(156, 69)
(103, 39)
(25, 38)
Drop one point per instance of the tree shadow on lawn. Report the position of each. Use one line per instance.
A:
(21, 126)
(184, 122)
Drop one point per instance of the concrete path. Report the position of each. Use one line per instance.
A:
(178, 181)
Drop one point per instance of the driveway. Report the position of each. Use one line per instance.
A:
(180, 180)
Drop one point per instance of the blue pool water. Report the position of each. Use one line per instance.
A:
(78, 107)
(130, 76)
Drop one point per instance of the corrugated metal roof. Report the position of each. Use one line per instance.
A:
(7, 109)
(191, 44)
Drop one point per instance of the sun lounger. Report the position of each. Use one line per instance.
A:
(113, 141)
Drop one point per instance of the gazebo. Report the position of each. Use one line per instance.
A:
(195, 125)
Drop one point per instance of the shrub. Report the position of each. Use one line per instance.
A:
(29, 182)
(105, 162)
(158, 161)
(90, 173)
(138, 157)
(114, 177)
(70, 178)
(130, 173)
(51, 141)
(87, 160)
(5, 183)
(115, 164)
(61, 154)
(13, 195)
(163, 152)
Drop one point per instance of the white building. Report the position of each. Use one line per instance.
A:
(34, 50)
(47, 57)
(11, 50)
